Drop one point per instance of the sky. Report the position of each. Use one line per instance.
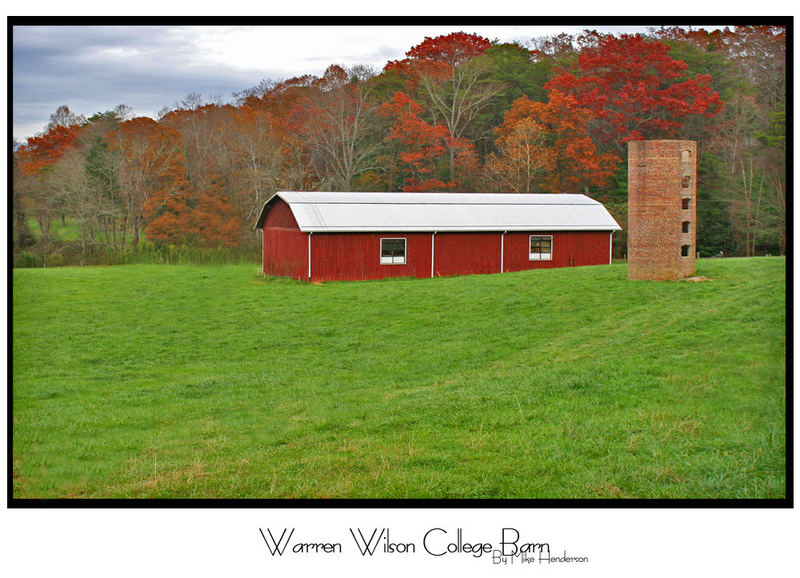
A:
(95, 68)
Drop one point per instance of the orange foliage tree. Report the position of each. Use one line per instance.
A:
(570, 158)
(422, 142)
(208, 211)
(152, 170)
(43, 150)
(37, 185)
(258, 147)
(204, 217)
(523, 159)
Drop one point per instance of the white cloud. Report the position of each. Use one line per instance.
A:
(95, 68)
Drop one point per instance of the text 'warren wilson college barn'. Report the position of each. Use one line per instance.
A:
(323, 236)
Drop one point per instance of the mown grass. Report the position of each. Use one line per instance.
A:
(211, 382)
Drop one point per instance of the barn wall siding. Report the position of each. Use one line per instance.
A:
(285, 246)
(356, 256)
(570, 249)
(285, 253)
(467, 253)
(280, 216)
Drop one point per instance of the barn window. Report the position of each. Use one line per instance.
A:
(541, 248)
(685, 227)
(393, 251)
(685, 203)
(685, 250)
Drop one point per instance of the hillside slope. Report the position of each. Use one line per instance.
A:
(162, 381)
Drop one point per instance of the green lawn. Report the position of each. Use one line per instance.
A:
(179, 381)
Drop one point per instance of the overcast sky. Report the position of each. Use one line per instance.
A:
(93, 69)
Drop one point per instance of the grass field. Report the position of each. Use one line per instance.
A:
(211, 382)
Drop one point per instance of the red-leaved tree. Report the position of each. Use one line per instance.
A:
(634, 88)
(37, 185)
(448, 75)
(423, 143)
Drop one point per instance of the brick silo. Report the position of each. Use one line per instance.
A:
(662, 215)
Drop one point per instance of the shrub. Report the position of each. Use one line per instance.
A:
(24, 259)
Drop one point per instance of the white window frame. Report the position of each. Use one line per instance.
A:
(540, 256)
(394, 260)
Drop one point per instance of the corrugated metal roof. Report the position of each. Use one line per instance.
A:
(320, 212)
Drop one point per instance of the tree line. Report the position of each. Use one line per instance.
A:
(458, 113)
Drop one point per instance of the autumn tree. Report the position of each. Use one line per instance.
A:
(423, 143)
(36, 187)
(151, 169)
(203, 127)
(571, 156)
(193, 218)
(452, 77)
(68, 172)
(257, 145)
(217, 148)
(634, 88)
(338, 123)
(740, 174)
(523, 158)
(215, 220)
(71, 181)
(23, 237)
(287, 102)
(43, 150)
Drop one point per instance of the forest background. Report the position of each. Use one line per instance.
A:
(459, 113)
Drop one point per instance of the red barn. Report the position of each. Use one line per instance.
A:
(319, 236)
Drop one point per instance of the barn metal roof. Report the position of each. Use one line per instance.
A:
(328, 212)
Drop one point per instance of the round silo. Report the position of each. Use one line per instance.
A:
(662, 209)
